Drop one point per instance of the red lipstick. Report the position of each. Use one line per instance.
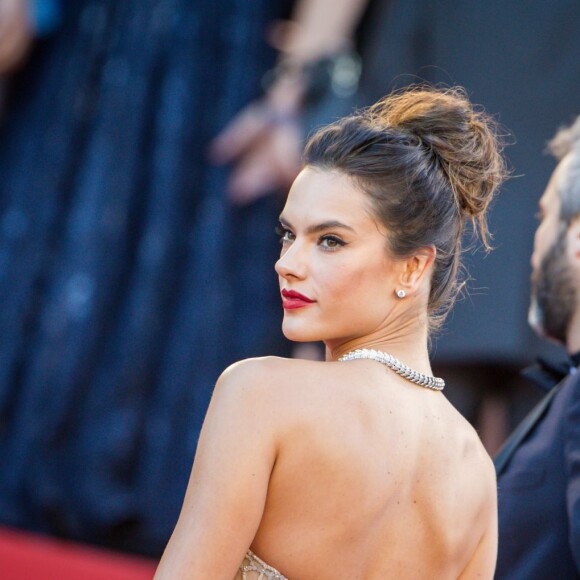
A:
(292, 299)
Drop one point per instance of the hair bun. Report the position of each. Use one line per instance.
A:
(429, 163)
(463, 140)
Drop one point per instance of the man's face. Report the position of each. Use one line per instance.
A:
(553, 302)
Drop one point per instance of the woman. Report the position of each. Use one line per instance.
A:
(345, 468)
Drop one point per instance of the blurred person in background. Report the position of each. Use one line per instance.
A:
(15, 33)
(123, 262)
(20, 22)
(317, 70)
(539, 466)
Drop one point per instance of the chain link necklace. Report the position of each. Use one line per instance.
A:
(396, 365)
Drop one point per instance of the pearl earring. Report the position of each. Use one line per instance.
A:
(401, 293)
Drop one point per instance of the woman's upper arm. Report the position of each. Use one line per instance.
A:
(227, 490)
(482, 565)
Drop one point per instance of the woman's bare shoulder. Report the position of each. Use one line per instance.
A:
(277, 386)
(268, 377)
(264, 369)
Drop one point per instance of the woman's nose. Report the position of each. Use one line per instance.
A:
(291, 263)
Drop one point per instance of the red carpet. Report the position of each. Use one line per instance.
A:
(25, 556)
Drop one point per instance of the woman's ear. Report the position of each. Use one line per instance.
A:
(415, 269)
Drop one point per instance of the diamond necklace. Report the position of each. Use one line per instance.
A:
(396, 365)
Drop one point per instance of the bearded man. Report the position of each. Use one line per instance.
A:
(539, 466)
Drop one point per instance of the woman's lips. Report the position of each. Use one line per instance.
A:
(292, 299)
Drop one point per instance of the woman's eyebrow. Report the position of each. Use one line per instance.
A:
(331, 224)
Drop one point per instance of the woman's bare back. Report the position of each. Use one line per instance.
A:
(375, 478)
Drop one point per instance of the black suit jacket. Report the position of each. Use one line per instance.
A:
(539, 493)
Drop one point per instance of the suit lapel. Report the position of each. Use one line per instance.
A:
(513, 442)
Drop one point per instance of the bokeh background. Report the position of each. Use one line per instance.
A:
(138, 199)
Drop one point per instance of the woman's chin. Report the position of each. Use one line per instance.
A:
(298, 333)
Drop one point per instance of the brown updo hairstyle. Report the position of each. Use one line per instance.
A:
(430, 163)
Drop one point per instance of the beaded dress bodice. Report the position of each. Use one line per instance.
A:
(253, 568)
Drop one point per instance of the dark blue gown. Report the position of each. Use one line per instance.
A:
(127, 281)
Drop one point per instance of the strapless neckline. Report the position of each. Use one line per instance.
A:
(253, 567)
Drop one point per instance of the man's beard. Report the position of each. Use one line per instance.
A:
(553, 294)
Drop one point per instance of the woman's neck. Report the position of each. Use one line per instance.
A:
(408, 343)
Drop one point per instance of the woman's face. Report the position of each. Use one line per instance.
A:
(336, 279)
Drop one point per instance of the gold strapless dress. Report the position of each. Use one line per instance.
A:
(252, 568)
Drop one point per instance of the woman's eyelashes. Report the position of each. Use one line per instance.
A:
(285, 234)
(329, 242)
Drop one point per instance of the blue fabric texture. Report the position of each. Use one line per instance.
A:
(128, 282)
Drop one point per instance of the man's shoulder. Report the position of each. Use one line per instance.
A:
(571, 409)
(540, 437)
(571, 383)
(537, 474)
(566, 398)
(561, 400)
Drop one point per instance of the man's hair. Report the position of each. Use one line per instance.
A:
(567, 142)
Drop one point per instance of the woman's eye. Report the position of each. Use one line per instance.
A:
(331, 242)
(285, 234)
